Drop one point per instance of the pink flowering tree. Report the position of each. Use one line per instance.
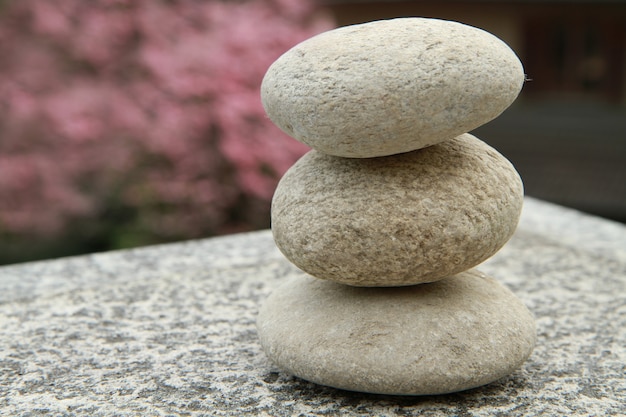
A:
(129, 122)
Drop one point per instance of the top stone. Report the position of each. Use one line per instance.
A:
(390, 86)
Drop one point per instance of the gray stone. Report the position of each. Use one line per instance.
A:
(458, 333)
(398, 220)
(169, 330)
(390, 86)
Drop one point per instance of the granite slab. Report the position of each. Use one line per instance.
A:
(170, 331)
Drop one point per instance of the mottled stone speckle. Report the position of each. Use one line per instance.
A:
(170, 330)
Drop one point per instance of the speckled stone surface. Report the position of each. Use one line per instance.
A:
(390, 86)
(170, 330)
(398, 220)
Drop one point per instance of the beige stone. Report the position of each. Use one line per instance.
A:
(390, 86)
(451, 335)
(397, 220)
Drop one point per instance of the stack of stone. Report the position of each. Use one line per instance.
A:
(392, 208)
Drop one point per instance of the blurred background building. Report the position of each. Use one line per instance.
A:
(566, 134)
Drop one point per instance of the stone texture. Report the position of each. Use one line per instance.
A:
(451, 335)
(390, 86)
(170, 330)
(397, 220)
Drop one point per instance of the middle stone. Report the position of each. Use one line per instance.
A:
(398, 220)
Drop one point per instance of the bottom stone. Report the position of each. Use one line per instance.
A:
(458, 333)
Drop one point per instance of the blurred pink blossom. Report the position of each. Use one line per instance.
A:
(149, 105)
